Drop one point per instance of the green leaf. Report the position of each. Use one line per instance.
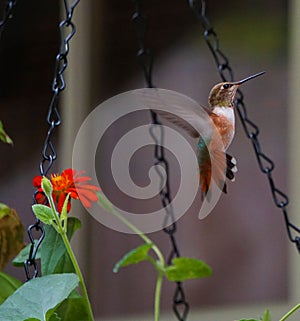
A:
(23, 256)
(266, 316)
(74, 224)
(4, 210)
(59, 262)
(53, 249)
(35, 298)
(9, 285)
(184, 268)
(71, 309)
(64, 265)
(104, 202)
(134, 256)
(43, 213)
(54, 317)
(64, 212)
(3, 136)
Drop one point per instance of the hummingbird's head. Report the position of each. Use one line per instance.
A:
(223, 94)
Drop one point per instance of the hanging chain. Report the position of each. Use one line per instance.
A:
(7, 14)
(145, 57)
(67, 30)
(212, 40)
(265, 163)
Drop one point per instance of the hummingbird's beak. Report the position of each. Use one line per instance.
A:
(248, 78)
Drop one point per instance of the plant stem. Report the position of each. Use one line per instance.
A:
(64, 236)
(140, 234)
(159, 265)
(294, 309)
(158, 295)
(78, 272)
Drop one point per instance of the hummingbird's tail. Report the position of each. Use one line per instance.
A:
(231, 169)
(224, 166)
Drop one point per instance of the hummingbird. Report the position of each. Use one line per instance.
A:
(221, 113)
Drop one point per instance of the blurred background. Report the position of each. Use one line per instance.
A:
(244, 240)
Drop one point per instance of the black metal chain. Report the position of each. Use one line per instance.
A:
(265, 163)
(7, 14)
(67, 30)
(145, 57)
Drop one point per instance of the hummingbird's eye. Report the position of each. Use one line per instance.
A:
(226, 86)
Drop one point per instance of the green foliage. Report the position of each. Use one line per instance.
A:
(56, 293)
(266, 317)
(64, 212)
(47, 291)
(70, 309)
(4, 210)
(23, 255)
(184, 268)
(53, 253)
(43, 213)
(3, 136)
(9, 285)
(181, 269)
(135, 256)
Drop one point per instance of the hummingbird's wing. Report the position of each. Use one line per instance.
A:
(191, 120)
(183, 121)
(178, 109)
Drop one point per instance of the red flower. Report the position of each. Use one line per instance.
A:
(69, 181)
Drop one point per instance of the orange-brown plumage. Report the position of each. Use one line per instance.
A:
(213, 161)
(221, 103)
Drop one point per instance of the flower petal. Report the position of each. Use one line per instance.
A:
(85, 201)
(87, 186)
(69, 181)
(40, 198)
(60, 202)
(90, 195)
(37, 181)
(82, 179)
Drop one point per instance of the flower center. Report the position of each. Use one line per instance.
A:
(61, 183)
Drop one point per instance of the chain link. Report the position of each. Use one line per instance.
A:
(7, 14)
(265, 163)
(67, 30)
(145, 57)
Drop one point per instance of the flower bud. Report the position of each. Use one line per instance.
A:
(47, 186)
